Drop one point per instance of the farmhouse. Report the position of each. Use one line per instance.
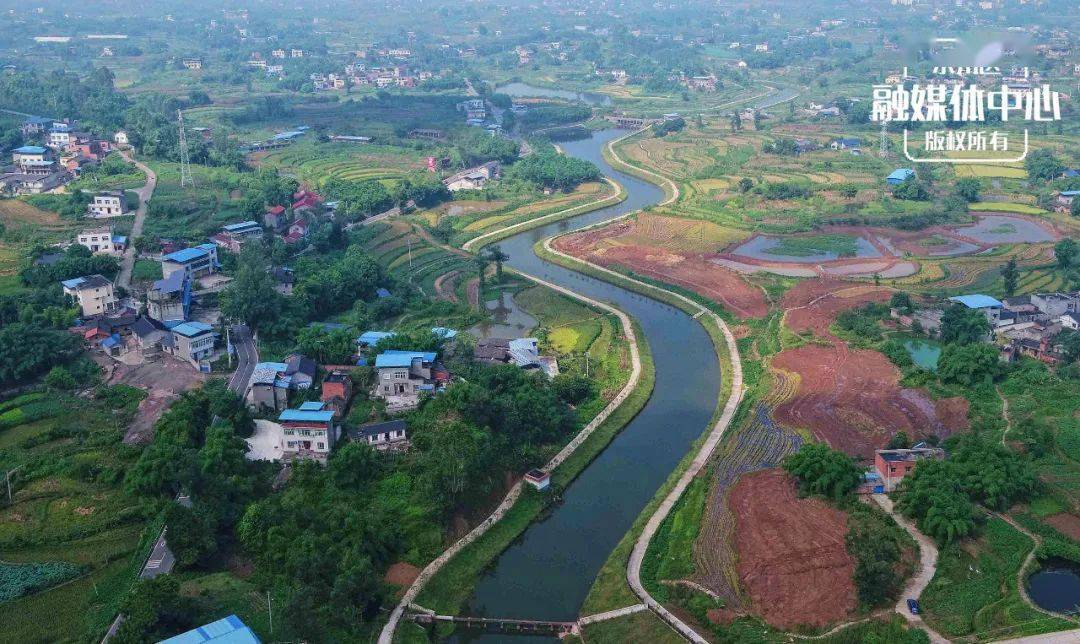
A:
(1064, 200)
(190, 341)
(309, 432)
(195, 261)
(31, 159)
(990, 307)
(234, 236)
(892, 465)
(404, 375)
(846, 144)
(169, 299)
(274, 218)
(386, 436)
(94, 294)
(108, 204)
(473, 178)
(101, 240)
(336, 392)
(268, 389)
(522, 352)
(229, 630)
(370, 338)
(898, 176)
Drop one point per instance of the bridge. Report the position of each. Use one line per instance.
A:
(519, 626)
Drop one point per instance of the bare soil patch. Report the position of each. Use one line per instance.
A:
(793, 562)
(691, 271)
(401, 574)
(812, 305)
(163, 380)
(1065, 523)
(851, 399)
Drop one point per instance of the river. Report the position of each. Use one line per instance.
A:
(548, 571)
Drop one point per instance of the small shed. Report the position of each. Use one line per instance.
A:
(539, 479)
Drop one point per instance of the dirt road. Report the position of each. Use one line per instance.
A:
(145, 192)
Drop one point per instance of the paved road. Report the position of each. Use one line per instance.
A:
(247, 356)
(145, 192)
(161, 559)
(928, 555)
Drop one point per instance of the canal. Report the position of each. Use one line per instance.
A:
(548, 571)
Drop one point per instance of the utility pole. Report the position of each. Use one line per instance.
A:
(270, 609)
(7, 478)
(186, 180)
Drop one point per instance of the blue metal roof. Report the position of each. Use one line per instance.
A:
(186, 255)
(30, 149)
(111, 341)
(243, 225)
(306, 415)
(191, 329)
(382, 292)
(311, 405)
(1070, 193)
(402, 358)
(900, 175)
(977, 301)
(371, 337)
(229, 630)
(73, 282)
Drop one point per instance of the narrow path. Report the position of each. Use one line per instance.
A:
(612, 614)
(1004, 414)
(928, 556)
(145, 193)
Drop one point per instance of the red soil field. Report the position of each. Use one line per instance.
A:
(812, 305)
(1066, 524)
(793, 562)
(850, 399)
(690, 271)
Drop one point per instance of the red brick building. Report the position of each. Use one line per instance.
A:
(894, 464)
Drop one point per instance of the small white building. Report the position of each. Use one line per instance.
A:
(108, 204)
(1070, 321)
(100, 241)
(386, 436)
(309, 432)
(94, 294)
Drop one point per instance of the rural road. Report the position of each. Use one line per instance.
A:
(145, 192)
(246, 354)
(928, 555)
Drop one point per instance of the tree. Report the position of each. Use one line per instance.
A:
(968, 189)
(60, 378)
(496, 255)
(899, 440)
(1042, 164)
(155, 610)
(824, 471)
(1010, 275)
(745, 184)
(968, 364)
(902, 301)
(481, 261)
(912, 189)
(192, 533)
(932, 495)
(736, 122)
(252, 297)
(1074, 208)
(1065, 253)
(572, 388)
(332, 346)
(962, 325)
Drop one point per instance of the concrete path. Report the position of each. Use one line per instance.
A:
(928, 555)
(612, 614)
(145, 192)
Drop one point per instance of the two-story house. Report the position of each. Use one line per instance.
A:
(190, 341)
(94, 294)
(108, 204)
(309, 432)
(402, 376)
(101, 240)
(169, 299)
(234, 236)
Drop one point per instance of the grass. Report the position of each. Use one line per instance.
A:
(842, 245)
(1004, 206)
(673, 546)
(974, 591)
(146, 270)
(642, 626)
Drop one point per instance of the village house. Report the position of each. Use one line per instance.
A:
(1064, 200)
(391, 435)
(284, 279)
(234, 236)
(94, 294)
(989, 306)
(404, 375)
(538, 479)
(473, 178)
(522, 352)
(108, 204)
(32, 184)
(702, 83)
(59, 135)
(169, 299)
(275, 218)
(309, 432)
(1070, 321)
(267, 388)
(336, 392)
(846, 144)
(102, 241)
(300, 371)
(898, 176)
(190, 341)
(371, 338)
(892, 465)
(228, 630)
(297, 232)
(35, 125)
(195, 261)
(33, 159)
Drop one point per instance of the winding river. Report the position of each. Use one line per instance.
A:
(548, 571)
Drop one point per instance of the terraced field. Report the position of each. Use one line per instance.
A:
(317, 162)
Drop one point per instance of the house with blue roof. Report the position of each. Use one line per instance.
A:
(404, 375)
(1064, 200)
(846, 143)
(1070, 173)
(190, 341)
(169, 299)
(234, 236)
(899, 175)
(309, 432)
(195, 261)
(990, 306)
(370, 338)
(229, 630)
(33, 159)
(268, 387)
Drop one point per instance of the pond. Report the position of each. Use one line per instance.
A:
(510, 320)
(806, 249)
(523, 90)
(1056, 587)
(924, 353)
(1001, 229)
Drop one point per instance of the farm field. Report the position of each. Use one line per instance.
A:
(70, 523)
